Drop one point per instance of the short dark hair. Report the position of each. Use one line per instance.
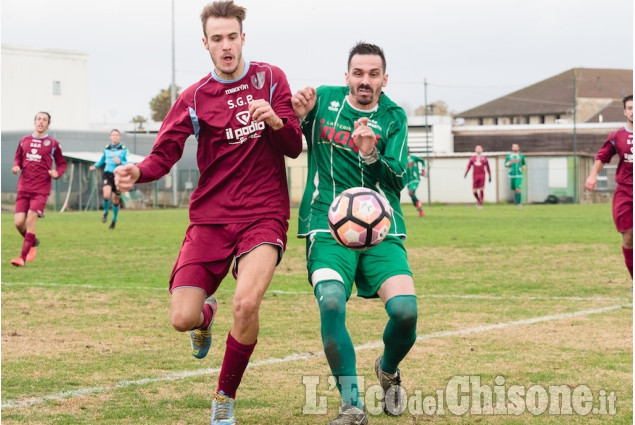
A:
(223, 9)
(626, 99)
(362, 48)
(49, 115)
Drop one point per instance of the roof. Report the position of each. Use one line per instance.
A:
(613, 112)
(92, 157)
(555, 95)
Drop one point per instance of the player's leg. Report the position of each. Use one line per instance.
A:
(623, 218)
(412, 191)
(627, 250)
(331, 270)
(107, 192)
(29, 239)
(115, 208)
(386, 272)
(19, 219)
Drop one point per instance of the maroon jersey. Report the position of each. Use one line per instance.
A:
(619, 142)
(480, 164)
(241, 161)
(35, 157)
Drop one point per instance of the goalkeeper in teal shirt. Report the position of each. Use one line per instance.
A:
(114, 154)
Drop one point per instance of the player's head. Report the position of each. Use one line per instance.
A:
(478, 149)
(224, 38)
(115, 136)
(41, 122)
(366, 75)
(515, 148)
(628, 108)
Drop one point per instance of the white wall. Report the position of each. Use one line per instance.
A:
(27, 88)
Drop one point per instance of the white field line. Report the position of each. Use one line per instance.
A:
(294, 357)
(283, 292)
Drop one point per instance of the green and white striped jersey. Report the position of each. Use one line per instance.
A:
(334, 164)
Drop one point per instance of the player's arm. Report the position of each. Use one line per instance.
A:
(508, 161)
(603, 156)
(17, 161)
(60, 163)
(278, 115)
(487, 169)
(592, 180)
(99, 163)
(389, 167)
(467, 170)
(168, 146)
(303, 102)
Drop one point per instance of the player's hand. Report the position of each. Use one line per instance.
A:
(591, 183)
(92, 168)
(54, 174)
(364, 136)
(126, 176)
(465, 176)
(303, 101)
(117, 160)
(261, 111)
(15, 169)
(424, 173)
(490, 180)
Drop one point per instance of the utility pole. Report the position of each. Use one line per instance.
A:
(427, 133)
(575, 141)
(175, 173)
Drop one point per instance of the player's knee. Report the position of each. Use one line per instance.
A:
(245, 309)
(403, 310)
(331, 297)
(182, 321)
(627, 239)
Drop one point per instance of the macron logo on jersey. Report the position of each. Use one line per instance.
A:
(237, 89)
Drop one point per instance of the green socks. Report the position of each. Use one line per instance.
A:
(338, 347)
(401, 331)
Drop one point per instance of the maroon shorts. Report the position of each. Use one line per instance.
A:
(478, 182)
(209, 249)
(623, 208)
(28, 201)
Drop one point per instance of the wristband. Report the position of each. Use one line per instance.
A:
(371, 158)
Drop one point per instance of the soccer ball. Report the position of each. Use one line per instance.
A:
(359, 218)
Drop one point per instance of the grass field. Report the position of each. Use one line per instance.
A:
(539, 296)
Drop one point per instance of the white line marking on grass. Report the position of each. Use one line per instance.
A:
(6, 404)
(283, 292)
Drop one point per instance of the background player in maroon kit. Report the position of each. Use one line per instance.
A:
(620, 143)
(242, 118)
(34, 157)
(480, 164)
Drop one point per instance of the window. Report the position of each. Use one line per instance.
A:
(57, 88)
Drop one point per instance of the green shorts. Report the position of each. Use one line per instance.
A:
(369, 269)
(413, 185)
(516, 182)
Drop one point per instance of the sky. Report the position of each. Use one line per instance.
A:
(468, 51)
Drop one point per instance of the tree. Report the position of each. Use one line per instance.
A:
(438, 107)
(140, 121)
(161, 103)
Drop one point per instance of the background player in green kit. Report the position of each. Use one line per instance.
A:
(356, 137)
(416, 169)
(515, 161)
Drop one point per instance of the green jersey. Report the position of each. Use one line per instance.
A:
(415, 167)
(515, 162)
(334, 161)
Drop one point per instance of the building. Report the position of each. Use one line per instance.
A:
(55, 81)
(586, 94)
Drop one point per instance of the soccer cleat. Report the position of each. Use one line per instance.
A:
(393, 400)
(18, 262)
(112, 225)
(421, 213)
(104, 217)
(33, 251)
(201, 339)
(222, 409)
(520, 206)
(350, 415)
